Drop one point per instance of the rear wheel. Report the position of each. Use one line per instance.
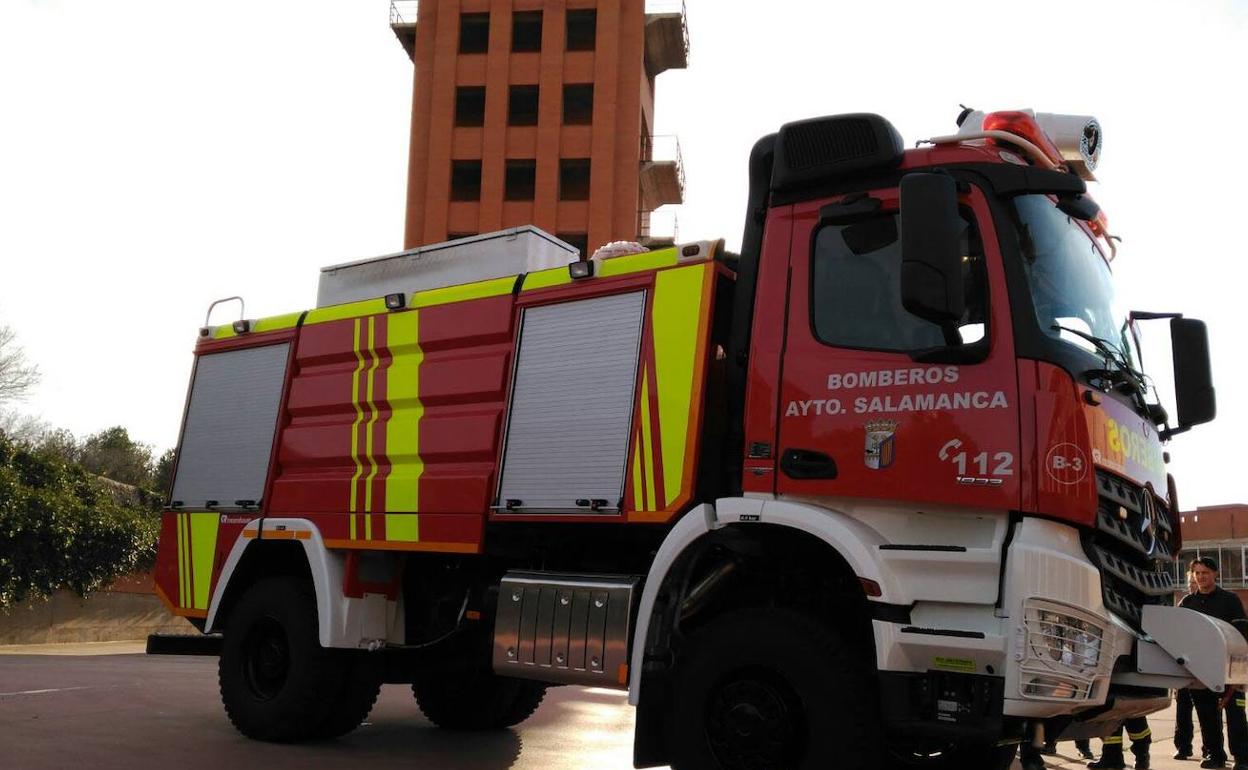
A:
(277, 682)
(361, 685)
(476, 700)
(772, 688)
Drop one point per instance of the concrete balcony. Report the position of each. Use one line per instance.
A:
(657, 229)
(667, 36)
(662, 175)
(403, 15)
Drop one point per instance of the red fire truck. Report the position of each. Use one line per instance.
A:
(877, 491)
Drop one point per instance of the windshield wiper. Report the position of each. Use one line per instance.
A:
(1122, 370)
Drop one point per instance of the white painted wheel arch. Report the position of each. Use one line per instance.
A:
(857, 543)
(325, 565)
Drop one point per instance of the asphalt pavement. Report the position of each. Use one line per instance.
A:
(109, 706)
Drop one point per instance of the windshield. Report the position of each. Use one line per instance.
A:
(1071, 285)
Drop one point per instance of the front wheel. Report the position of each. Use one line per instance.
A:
(953, 757)
(773, 689)
(277, 682)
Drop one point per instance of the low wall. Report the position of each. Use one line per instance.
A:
(126, 610)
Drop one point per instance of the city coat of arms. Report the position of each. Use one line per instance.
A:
(881, 446)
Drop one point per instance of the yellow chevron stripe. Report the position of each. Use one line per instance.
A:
(203, 527)
(638, 502)
(188, 543)
(403, 429)
(646, 447)
(636, 263)
(402, 527)
(273, 323)
(177, 520)
(542, 279)
(494, 287)
(359, 417)
(349, 310)
(368, 526)
(373, 413)
(678, 296)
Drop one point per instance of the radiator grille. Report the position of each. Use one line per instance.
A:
(1132, 545)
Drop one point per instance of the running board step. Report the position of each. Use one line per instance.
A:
(184, 644)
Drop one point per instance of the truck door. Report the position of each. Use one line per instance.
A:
(875, 404)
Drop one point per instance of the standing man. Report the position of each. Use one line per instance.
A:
(1183, 730)
(1216, 602)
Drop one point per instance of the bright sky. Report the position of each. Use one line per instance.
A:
(157, 155)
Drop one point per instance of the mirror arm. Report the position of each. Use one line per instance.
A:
(1165, 434)
(1146, 315)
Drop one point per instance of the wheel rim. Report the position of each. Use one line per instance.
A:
(755, 720)
(266, 659)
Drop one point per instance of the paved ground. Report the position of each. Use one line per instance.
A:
(108, 706)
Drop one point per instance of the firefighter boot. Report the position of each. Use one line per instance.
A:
(1111, 759)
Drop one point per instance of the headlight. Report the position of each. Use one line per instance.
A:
(1063, 648)
(1063, 639)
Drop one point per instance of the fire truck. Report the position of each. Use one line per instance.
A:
(879, 491)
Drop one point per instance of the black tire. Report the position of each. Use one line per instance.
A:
(478, 700)
(360, 687)
(987, 757)
(277, 682)
(768, 688)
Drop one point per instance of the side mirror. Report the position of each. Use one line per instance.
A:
(1078, 206)
(1193, 378)
(931, 248)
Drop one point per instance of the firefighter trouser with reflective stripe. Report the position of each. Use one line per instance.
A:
(1210, 716)
(1141, 738)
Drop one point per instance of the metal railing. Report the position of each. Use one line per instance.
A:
(659, 225)
(664, 149)
(403, 11)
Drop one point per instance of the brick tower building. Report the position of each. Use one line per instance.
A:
(539, 112)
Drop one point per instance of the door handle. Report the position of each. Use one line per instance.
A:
(807, 464)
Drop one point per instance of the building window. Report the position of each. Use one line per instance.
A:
(522, 106)
(470, 106)
(465, 180)
(574, 179)
(474, 32)
(578, 104)
(521, 180)
(582, 26)
(578, 240)
(526, 31)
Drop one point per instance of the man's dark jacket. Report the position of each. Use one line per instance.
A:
(1218, 603)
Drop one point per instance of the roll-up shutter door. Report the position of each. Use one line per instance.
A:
(572, 405)
(229, 427)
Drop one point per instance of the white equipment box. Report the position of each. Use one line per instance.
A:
(465, 260)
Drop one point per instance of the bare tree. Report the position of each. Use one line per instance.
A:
(17, 376)
(23, 429)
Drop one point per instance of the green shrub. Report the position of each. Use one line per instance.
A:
(61, 528)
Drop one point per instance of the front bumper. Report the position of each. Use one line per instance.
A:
(1066, 648)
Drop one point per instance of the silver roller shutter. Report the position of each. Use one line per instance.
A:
(229, 426)
(572, 404)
